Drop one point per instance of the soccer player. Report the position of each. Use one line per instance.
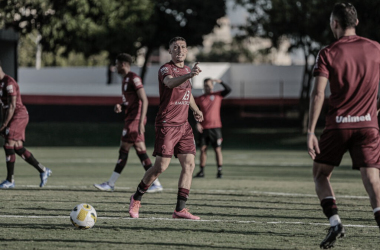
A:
(15, 118)
(135, 105)
(210, 130)
(173, 132)
(351, 65)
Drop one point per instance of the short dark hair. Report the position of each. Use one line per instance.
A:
(124, 57)
(346, 15)
(175, 39)
(206, 80)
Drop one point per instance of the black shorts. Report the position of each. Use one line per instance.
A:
(212, 135)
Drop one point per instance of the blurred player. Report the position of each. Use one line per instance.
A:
(210, 130)
(135, 104)
(15, 118)
(351, 65)
(173, 132)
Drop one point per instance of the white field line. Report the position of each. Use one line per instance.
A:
(208, 191)
(183, 220)
(234, 162)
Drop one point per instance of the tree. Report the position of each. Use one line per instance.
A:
(189, 19)
(306, 25)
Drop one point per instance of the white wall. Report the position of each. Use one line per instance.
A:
(246, 80)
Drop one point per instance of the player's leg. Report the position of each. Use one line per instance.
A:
(202, 162)
(203, 141)
(184, 185)
(185, 151)
(10, 158)
(146, 163)
(160, 165)
(216, 140)
(322, 174)
(29, 158)
(120, 164)
(219, 161)
(371, 181)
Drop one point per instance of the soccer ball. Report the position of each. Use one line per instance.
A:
(83, 216)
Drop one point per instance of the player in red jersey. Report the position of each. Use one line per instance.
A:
(351, 65)
(173, 132)
(15, 119)
(210, 130)
(135, 105)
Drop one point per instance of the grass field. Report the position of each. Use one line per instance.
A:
(266, 200)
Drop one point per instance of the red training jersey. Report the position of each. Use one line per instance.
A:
(174, 103)
(352, 65)
(9, 87)
(210, 105)
(131, 102)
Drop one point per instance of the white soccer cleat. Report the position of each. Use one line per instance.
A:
(105, 186)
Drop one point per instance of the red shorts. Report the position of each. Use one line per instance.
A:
(363, 145)
(174, 140)
(131, 132)
(16, 129)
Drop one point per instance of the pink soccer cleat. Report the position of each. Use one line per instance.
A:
(134, 208)
(184, 214)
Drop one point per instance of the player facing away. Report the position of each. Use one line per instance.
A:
(351, 65)
(210, 129)
(15, 119)
(135, 105)
(173, 132)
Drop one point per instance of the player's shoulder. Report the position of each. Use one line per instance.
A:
(9, 80)
(133, 74)
(164, 69)
(370, 42)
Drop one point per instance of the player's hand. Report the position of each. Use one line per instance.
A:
(199, 127)
(118, 108)
(195, 70)
(217, 80)
(141, 128)
(198, 115)
(312, 145)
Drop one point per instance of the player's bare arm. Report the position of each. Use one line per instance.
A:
(199, 127)
(316, 103)
(144, 108)
(198, 115)
(9, 112)
(172, 82)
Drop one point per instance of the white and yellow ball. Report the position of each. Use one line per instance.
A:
(83, 216)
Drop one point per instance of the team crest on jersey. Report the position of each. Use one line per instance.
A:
(164, 70)
(124, 132)
(187, 70)
(10, 88)
(137, 81)
(212, 97)
(125, 86)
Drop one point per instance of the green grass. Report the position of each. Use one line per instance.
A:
(266, 200)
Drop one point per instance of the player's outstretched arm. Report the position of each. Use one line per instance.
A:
(144, 107)
(172, 82)
(198, 115)
(316, 103)
(118, 108)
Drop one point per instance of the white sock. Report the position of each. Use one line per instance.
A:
(376, 210)
(157, 182)
(113, 178)
(334, 220)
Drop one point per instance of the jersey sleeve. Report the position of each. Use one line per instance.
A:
(137, 83)
(11, 88)
(164, 72)
(321, 65)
